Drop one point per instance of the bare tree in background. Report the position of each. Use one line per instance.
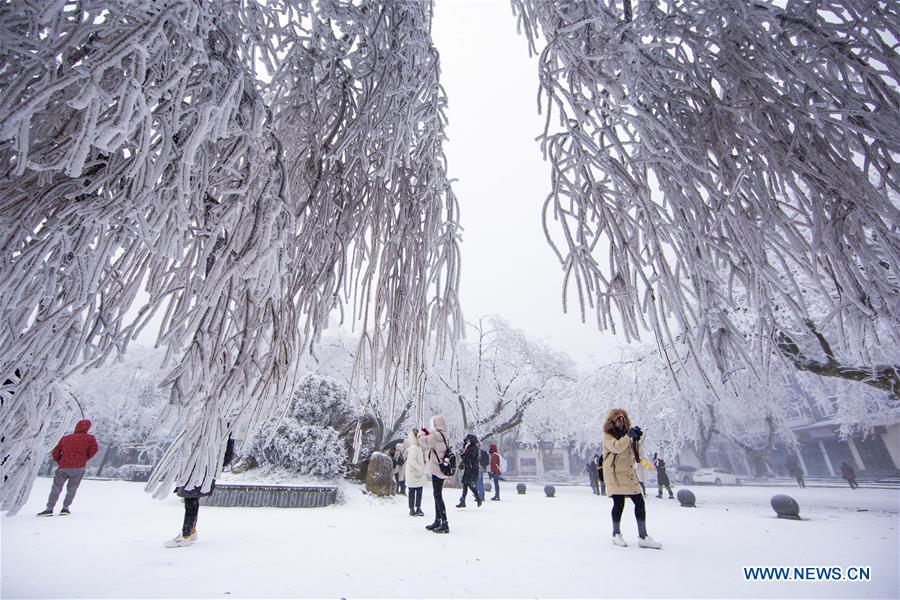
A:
(253, 165)
(728, 154)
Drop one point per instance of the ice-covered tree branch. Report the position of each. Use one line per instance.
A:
(249, 166)
(714, 156)
(882, 377)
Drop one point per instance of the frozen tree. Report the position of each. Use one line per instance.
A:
(492, 382)
(728, 154)
(251, 166)
(382, 415)
(638, 381)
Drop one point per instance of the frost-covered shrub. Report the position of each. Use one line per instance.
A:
(319, 400)
(256, 443)
(306, 440)
(306, 449)
(558, 475)
(110, 473)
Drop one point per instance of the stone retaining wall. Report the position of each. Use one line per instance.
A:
(229, 494)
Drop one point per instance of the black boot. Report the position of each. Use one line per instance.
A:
(435, 525)
(462, 504)
(412, 512)
(442, 528)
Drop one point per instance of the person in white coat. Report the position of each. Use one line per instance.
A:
(415, 472)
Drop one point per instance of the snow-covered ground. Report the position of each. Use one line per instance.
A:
(523, 546)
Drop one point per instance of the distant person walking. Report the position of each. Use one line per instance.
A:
(849, 474)
(600, 475)
(192, 505)
(70, 454)
(471, 469)
(662, 477)
(484, 465)
(793, 467)
(434, 442)
(593, 473)
(621, 447)
(415, 473)
(399, 467)
(495, 471)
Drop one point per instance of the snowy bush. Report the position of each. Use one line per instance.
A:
(306, 440)
(306, 449)
(320, 401)
(110, 473)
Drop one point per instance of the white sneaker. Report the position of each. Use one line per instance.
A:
(618, 540)
(180, 541)
(649, 542)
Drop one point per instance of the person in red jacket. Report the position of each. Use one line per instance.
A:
(495, 471)
(70, 454)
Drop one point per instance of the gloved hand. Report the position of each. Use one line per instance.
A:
(425, 430)
(635, 433)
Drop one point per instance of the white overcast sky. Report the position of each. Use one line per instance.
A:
(507, 266)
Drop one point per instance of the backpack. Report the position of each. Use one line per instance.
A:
(484, 459)
(503, 464)
(447, 463)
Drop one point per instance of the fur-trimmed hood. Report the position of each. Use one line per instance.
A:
(438, 423)
(612, 415)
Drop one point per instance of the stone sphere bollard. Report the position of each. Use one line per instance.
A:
(380, 475)
(687, 498)
(520, 487)
(785, 507)
(488, 486)
(550, 491)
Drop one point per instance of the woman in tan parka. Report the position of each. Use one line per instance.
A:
(621, 447)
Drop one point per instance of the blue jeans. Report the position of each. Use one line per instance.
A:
(496, 480)
(479, 485)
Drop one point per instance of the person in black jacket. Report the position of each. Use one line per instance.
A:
(484, 463)
(192, 504)
(849, 475)
(470, 455)
(793, 467)
(662, 478)
(593, 469)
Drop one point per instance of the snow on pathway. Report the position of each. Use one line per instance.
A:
(522, 546)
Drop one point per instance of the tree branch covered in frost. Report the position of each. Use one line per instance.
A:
(495, 381)
(884, 377)
(725, 154)
(254, 165)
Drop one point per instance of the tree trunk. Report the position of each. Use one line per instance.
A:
(108, 452)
